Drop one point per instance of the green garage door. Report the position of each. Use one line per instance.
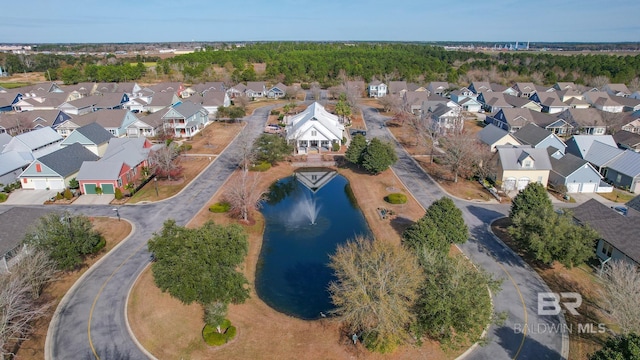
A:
(108, 189)
(90, 189)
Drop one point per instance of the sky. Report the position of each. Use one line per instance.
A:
(118, 21)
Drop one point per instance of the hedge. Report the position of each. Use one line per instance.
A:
(396, 198)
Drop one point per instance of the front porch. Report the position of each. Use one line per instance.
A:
(313, 146)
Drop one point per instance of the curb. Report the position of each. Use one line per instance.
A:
(126, 317)
(48, 343)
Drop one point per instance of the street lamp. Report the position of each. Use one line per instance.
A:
(155, 181)
(117, 213)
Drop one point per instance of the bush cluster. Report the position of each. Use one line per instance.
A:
(3, 197)
(262, 166)
(214, 338)
(118, 194)
(396, 198)
(67, 194)
(221, 207)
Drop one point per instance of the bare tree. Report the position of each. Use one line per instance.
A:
(621, 294)
(315, 90)
(293, 92)
(599, 81)
(18, 312)
(614, 121)
(390, 103)
(460, 153)
(241, 101)
(375, 289)
(165, 162)
(36, 268)
(245, 194)
(634, 85)
(336, 91)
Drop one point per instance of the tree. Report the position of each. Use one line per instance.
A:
(214, 314)
(454, 303)
(460, 150)
(550, 236)
(66, 238)
(271, 148)
(621, 294)
(343, 109)
(390, 103)
(599, 81)
(164, 160)
(531, 200)
(200, 265)
(36, 268)
(378, 156)
(356, 149)
(245, 194)
(425, 234)
(375, 289)
(446, 215)
(624, 347)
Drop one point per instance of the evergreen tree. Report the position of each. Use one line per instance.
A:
(356, 149)
(378, 156)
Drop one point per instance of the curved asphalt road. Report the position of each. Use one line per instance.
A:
(90, 322)
(521, 284)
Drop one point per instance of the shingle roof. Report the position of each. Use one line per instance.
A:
(68, 160)
(188, 109)
(531, 134)
(600, 154)
(129, 150)
(107, 118)
(95, 132)
(15, 224)
(491, 133)
(99, 170)
(11, 161)
(567, 165)
(618, 230)
(38, 138)
(626, 137)
(583, 142)
(510, 155)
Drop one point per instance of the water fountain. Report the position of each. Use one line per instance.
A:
(310, 208)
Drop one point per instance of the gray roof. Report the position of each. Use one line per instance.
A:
(188, 109)
(628, 163)
(4, 140)
(567, 165)
(532, 134)
(68, 160)
(107, 118)
(634, 203)
(491, 133)
(626, 138)
(10, 161)
(15, 225)
(39, 138)
(600, 154)
(618, 230)
(511, 157)
(128, 150)
(96, 133)
(99, 170)
(584, 142)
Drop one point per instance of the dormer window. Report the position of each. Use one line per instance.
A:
(528, 163)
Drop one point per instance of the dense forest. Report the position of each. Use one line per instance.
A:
(332, 63)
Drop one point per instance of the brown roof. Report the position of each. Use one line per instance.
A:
(106, 118)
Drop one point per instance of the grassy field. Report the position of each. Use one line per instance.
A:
(13, 85)
(618, 196)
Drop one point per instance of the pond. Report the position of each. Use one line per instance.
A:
(306, 216)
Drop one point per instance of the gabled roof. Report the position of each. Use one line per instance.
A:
(395, 87)
(68, 160)
(108, 100)
(257, 86)
(131, 151)
(93, 132)
(568, 164)
(532, 134)
(187, 109)
(416, 97)
(15, 224)
(511, 157)
(634, 203)
(4, 140)
(11, 161)
(565, 86)
(583, 117)
(214, 98)
(163, 99)
(84, 102)
(280, 86)
(491, 133)
(38, 138)
(627, 138)
(441, 110)
(618, 230)
(628, 163)
(520, 102)
(100, 170)
(600, 154)
(300, 123)
(107, 118)
(583, 142)
(550, 99)
(214, 85)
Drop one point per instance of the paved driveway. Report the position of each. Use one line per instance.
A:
(103, 199)
(29, 197)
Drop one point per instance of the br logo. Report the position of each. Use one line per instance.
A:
(549, 303)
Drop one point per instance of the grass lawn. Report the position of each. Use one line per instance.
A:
(192, 166)
(580, 279)
(618, 196)
(114, 232)
(171, 330)
(13, 85)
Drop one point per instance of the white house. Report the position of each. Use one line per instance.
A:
(377, 89)
(314, 129)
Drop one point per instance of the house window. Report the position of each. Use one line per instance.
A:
(527, 163)
(314, 133)
(119, 182)
(607, 249)
(619, 178)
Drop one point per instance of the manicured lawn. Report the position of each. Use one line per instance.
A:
(13, 85)
(618, 196)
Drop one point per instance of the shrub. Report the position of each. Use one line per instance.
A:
(100, 245)
(275, 112)
(280, 117)
(98, 190)
(335, 146)
(67, 194)
(221, 207)
(118, 194)
(59, 196)
(263, 166)
(3, 197)
(214, 338)
(184, 148)
(74, 184)
(396, 198)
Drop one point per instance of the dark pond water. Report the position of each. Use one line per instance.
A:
(307, 216)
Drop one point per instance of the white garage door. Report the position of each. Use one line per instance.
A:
(509, 184)
(588, 188)
(522, 183)
(39, 184)
(573, 187)
(56, 184)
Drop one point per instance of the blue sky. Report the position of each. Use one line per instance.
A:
(81, 21)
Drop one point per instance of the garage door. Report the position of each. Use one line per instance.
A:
(107, 189)
(39, 184)
(588, 188)
(90, 189)
(573, 187)
(522, 183)
(56, 184)
(509, 184)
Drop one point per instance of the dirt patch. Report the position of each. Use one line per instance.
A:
(214, 138)
(263, 332)
(580, 279)
(114, 232)
(463, 189)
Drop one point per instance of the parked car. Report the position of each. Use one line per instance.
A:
(358, 132)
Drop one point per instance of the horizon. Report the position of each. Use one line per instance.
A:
(118, 21)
